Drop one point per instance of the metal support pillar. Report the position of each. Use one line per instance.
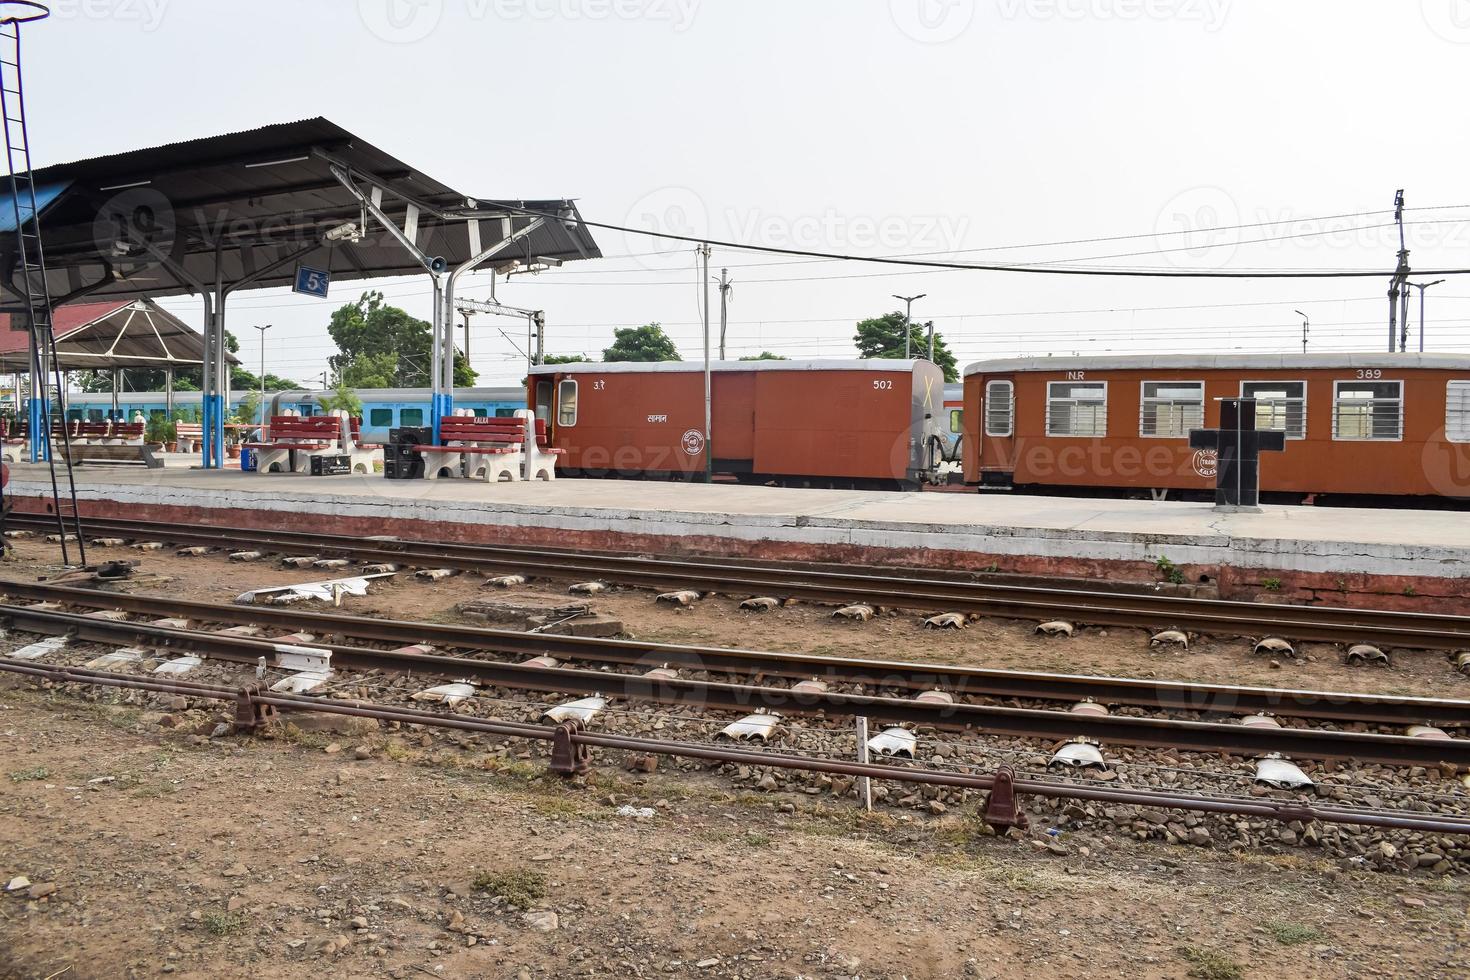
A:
(38, 412)
(117, 380)
(168, 391)
(443, 397)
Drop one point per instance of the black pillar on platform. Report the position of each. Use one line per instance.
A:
(1238, 445)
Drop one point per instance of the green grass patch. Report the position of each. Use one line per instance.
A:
(519, 887)
(29, 775)
(1292, 933)
(222, 924)
(1210, 964)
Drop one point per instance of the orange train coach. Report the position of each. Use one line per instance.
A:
(842, 423)
(1357, 425)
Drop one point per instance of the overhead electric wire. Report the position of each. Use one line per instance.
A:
(976, 267)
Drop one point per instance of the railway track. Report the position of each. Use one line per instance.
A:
(1000, 810)
(991, 719)
(759, 666)
(1326, 624)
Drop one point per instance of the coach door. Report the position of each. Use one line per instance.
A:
(998, 426)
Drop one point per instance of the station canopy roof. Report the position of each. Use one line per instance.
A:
(105, 335)
(244, 209)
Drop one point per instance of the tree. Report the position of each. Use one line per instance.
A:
(566, 359)
(371, 371)
(249, 408)
(882, 337)
(185, 378)
(369, 330)
(645, 343)
(764, 355)
(343, 398)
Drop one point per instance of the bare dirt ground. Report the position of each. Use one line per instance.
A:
(211, 858)
(153, 851)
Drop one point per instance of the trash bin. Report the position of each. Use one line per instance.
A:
(247, 460)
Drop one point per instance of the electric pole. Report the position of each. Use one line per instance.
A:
(1398, 292)
(1306, 328)
(725, 285)
(1421, 286)
(709, 457)
(908, 310)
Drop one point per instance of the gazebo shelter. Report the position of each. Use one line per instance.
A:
(109, 336)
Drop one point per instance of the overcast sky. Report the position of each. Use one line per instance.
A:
(980, 130)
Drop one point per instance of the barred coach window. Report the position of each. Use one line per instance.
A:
(1368, 410)
(1171, 408)
(566, 401)
(1457, 412)
(1280, 405)
(1000, 408)
(1077, 408)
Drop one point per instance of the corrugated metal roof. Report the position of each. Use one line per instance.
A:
(261, 195)
(1222, 362)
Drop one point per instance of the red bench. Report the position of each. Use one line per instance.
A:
(491, 449)
(286, 434)
(482, 448)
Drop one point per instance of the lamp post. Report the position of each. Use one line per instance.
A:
(907, 317)
(1306, 328)
(262, 369)
(1421, 286)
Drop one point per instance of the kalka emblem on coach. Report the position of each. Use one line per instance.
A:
(692, 441)
(1206, 462)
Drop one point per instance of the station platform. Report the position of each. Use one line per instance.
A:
(1390, 558)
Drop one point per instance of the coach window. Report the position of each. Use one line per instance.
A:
(1171, 408)
(1077, 408)
(566, 403)
(1280, 405)
(1000, 409)
(1368, 410)
(1457, 412)
(410, 416)
(380, 418)
(956, 420)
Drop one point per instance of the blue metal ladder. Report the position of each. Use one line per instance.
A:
(31, 264)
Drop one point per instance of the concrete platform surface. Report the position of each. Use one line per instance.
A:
(1046, 535)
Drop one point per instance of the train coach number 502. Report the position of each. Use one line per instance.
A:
(882, 383)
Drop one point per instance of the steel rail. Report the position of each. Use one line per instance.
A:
(1327, 624)
(1289, 811)
(1341, 707)
(1394, 750)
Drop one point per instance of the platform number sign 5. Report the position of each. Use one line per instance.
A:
(312, 282)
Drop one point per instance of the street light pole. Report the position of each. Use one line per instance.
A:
(262, 369)
(907, 317)
(1421, 286)
(1306, 328)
